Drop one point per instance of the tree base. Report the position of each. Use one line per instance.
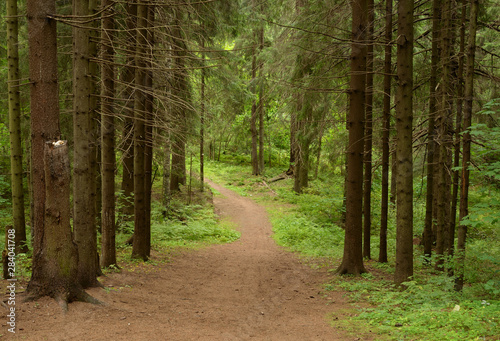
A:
(63, 297)
(355, 270)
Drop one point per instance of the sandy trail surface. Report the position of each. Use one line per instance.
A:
(250, 289)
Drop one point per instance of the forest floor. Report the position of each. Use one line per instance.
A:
(250, 289)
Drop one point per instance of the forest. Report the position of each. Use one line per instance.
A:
(368, 130)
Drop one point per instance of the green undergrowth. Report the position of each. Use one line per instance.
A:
(429, 308)
(182, 226)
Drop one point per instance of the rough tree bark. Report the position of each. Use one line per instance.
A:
(367, 188)
(108, 249)
(260, 106)
(352, 261)
(56, 275)
(428, 237)
(128, 78)
(464, 188)
(149, 107)
(181, 96)
(386, 127)
(253, 119)
(139, 246)
(202, 119)
(16, 150)
(444, 165)
(84, 223)
(404, 130)
(44, 124)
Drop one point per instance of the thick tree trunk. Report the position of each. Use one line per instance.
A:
(16, 150)
(464, 188)
(367, 189)
(108, 249)
(44, 117)
(352, 261)
(56, 275)
(386, 128)
(404, 125)
(84, 224)
(139, 246)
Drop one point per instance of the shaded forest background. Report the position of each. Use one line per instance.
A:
(380, 120)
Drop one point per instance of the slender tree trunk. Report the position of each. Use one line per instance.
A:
(253, 120)
(318, 154)
(166, 175)
(260, 106)
(149, 107)
(95, 147)
(128, 77)
(202, 121)
(293, 143)
(84, 223)
(386, 128)
(16, 150)
(179, 109)
(404, 125)
(431, 146)
(352, 261)
(444, 167)
(108, 249)
(367, 190)
(458, 125)
(139, 246)
(464, 188)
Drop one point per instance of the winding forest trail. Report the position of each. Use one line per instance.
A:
(250, 289)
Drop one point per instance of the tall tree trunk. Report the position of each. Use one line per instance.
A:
(444, 166)
(84, 224)
(386, 128)
(464, 188)
(293, 143)
(260, 106)
(139, 246)
(180, 107)
(108, 249)
(128, 77)
(352, 261)
(149, 107)
(431, 145)
(404, 125)
(55, 258)
(95, 147)
(202, 120)
(16, 149)
(57, 274)
(253, 120)
(44, 124)
(458, 123)
(367, 190)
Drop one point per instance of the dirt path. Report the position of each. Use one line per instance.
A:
(247, 290)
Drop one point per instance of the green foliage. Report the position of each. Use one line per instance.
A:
(299, 233)
(427, 309)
